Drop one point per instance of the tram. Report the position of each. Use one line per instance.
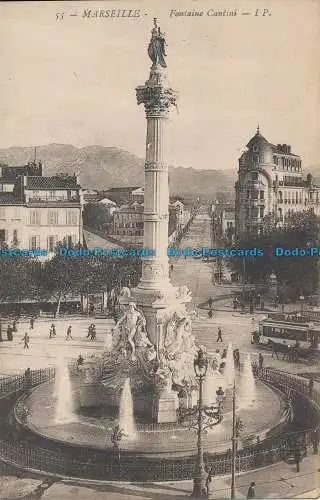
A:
(271, 331)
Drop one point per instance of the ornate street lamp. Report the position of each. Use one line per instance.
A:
(201, 418)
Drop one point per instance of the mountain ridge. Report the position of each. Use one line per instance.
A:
(103, 167)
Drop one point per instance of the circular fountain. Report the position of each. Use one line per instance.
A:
(103, 393)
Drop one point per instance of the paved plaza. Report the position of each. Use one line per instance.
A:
(280, 480)
(195, 273)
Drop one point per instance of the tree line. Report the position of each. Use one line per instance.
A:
(296, 275)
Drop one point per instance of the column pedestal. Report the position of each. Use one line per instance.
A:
(165, 407)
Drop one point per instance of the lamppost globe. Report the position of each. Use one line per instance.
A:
(200, 363)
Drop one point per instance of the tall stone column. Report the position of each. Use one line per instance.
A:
(155, 291)
(158, 100)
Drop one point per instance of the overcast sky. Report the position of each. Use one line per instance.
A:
(73, 81)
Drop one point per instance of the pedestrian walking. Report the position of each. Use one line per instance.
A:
(9, 333)
(1, 339)
(31, 323)
(210, 313)
(261, 360)
(93, 332)
(297, 458)
(210, 302)
(315, 438)
(219, 339)
(52, 331)
(69, 336)
(171, 267)
(14, 326)
(251, 490)
(209, 485)
(89, 331)
(26, 340)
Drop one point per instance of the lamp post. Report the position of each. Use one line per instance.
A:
(301, 298)
(237, 427)
(199, 481)
(201, 418)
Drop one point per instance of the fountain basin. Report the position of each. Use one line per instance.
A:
(93, 426)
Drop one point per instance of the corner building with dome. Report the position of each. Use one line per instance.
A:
(271, 182)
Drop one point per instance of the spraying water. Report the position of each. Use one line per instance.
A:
(229, 371)
(247, 388)
(64, 408)
(126, 417)
(212, 382)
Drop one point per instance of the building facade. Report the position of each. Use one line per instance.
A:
(128, 223)
(223, 222)
(271, 183)
(41, 212)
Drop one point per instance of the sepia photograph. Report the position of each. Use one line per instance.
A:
(159, 249)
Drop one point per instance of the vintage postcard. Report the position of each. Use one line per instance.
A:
(159, 249)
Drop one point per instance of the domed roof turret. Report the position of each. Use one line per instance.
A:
(259, 142)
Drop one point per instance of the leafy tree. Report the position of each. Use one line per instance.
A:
(295, 274)
(64, 275)
(19, 278)
(97, 216)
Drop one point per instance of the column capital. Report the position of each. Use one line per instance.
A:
(157, 100)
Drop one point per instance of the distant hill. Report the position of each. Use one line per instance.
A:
(105, 167)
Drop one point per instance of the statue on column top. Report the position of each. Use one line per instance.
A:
(156, 48)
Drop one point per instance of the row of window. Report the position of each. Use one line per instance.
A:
(255, 212)
(124, 217)
(53, 195)
(128, 224)
(52, 241)
(297, 197)
(54, 218)
(255, 194)
(289, 163)
(124, 232)
(48, 243)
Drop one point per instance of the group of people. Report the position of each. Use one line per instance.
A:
(92, 333)
(254, 301)
(13, 328)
